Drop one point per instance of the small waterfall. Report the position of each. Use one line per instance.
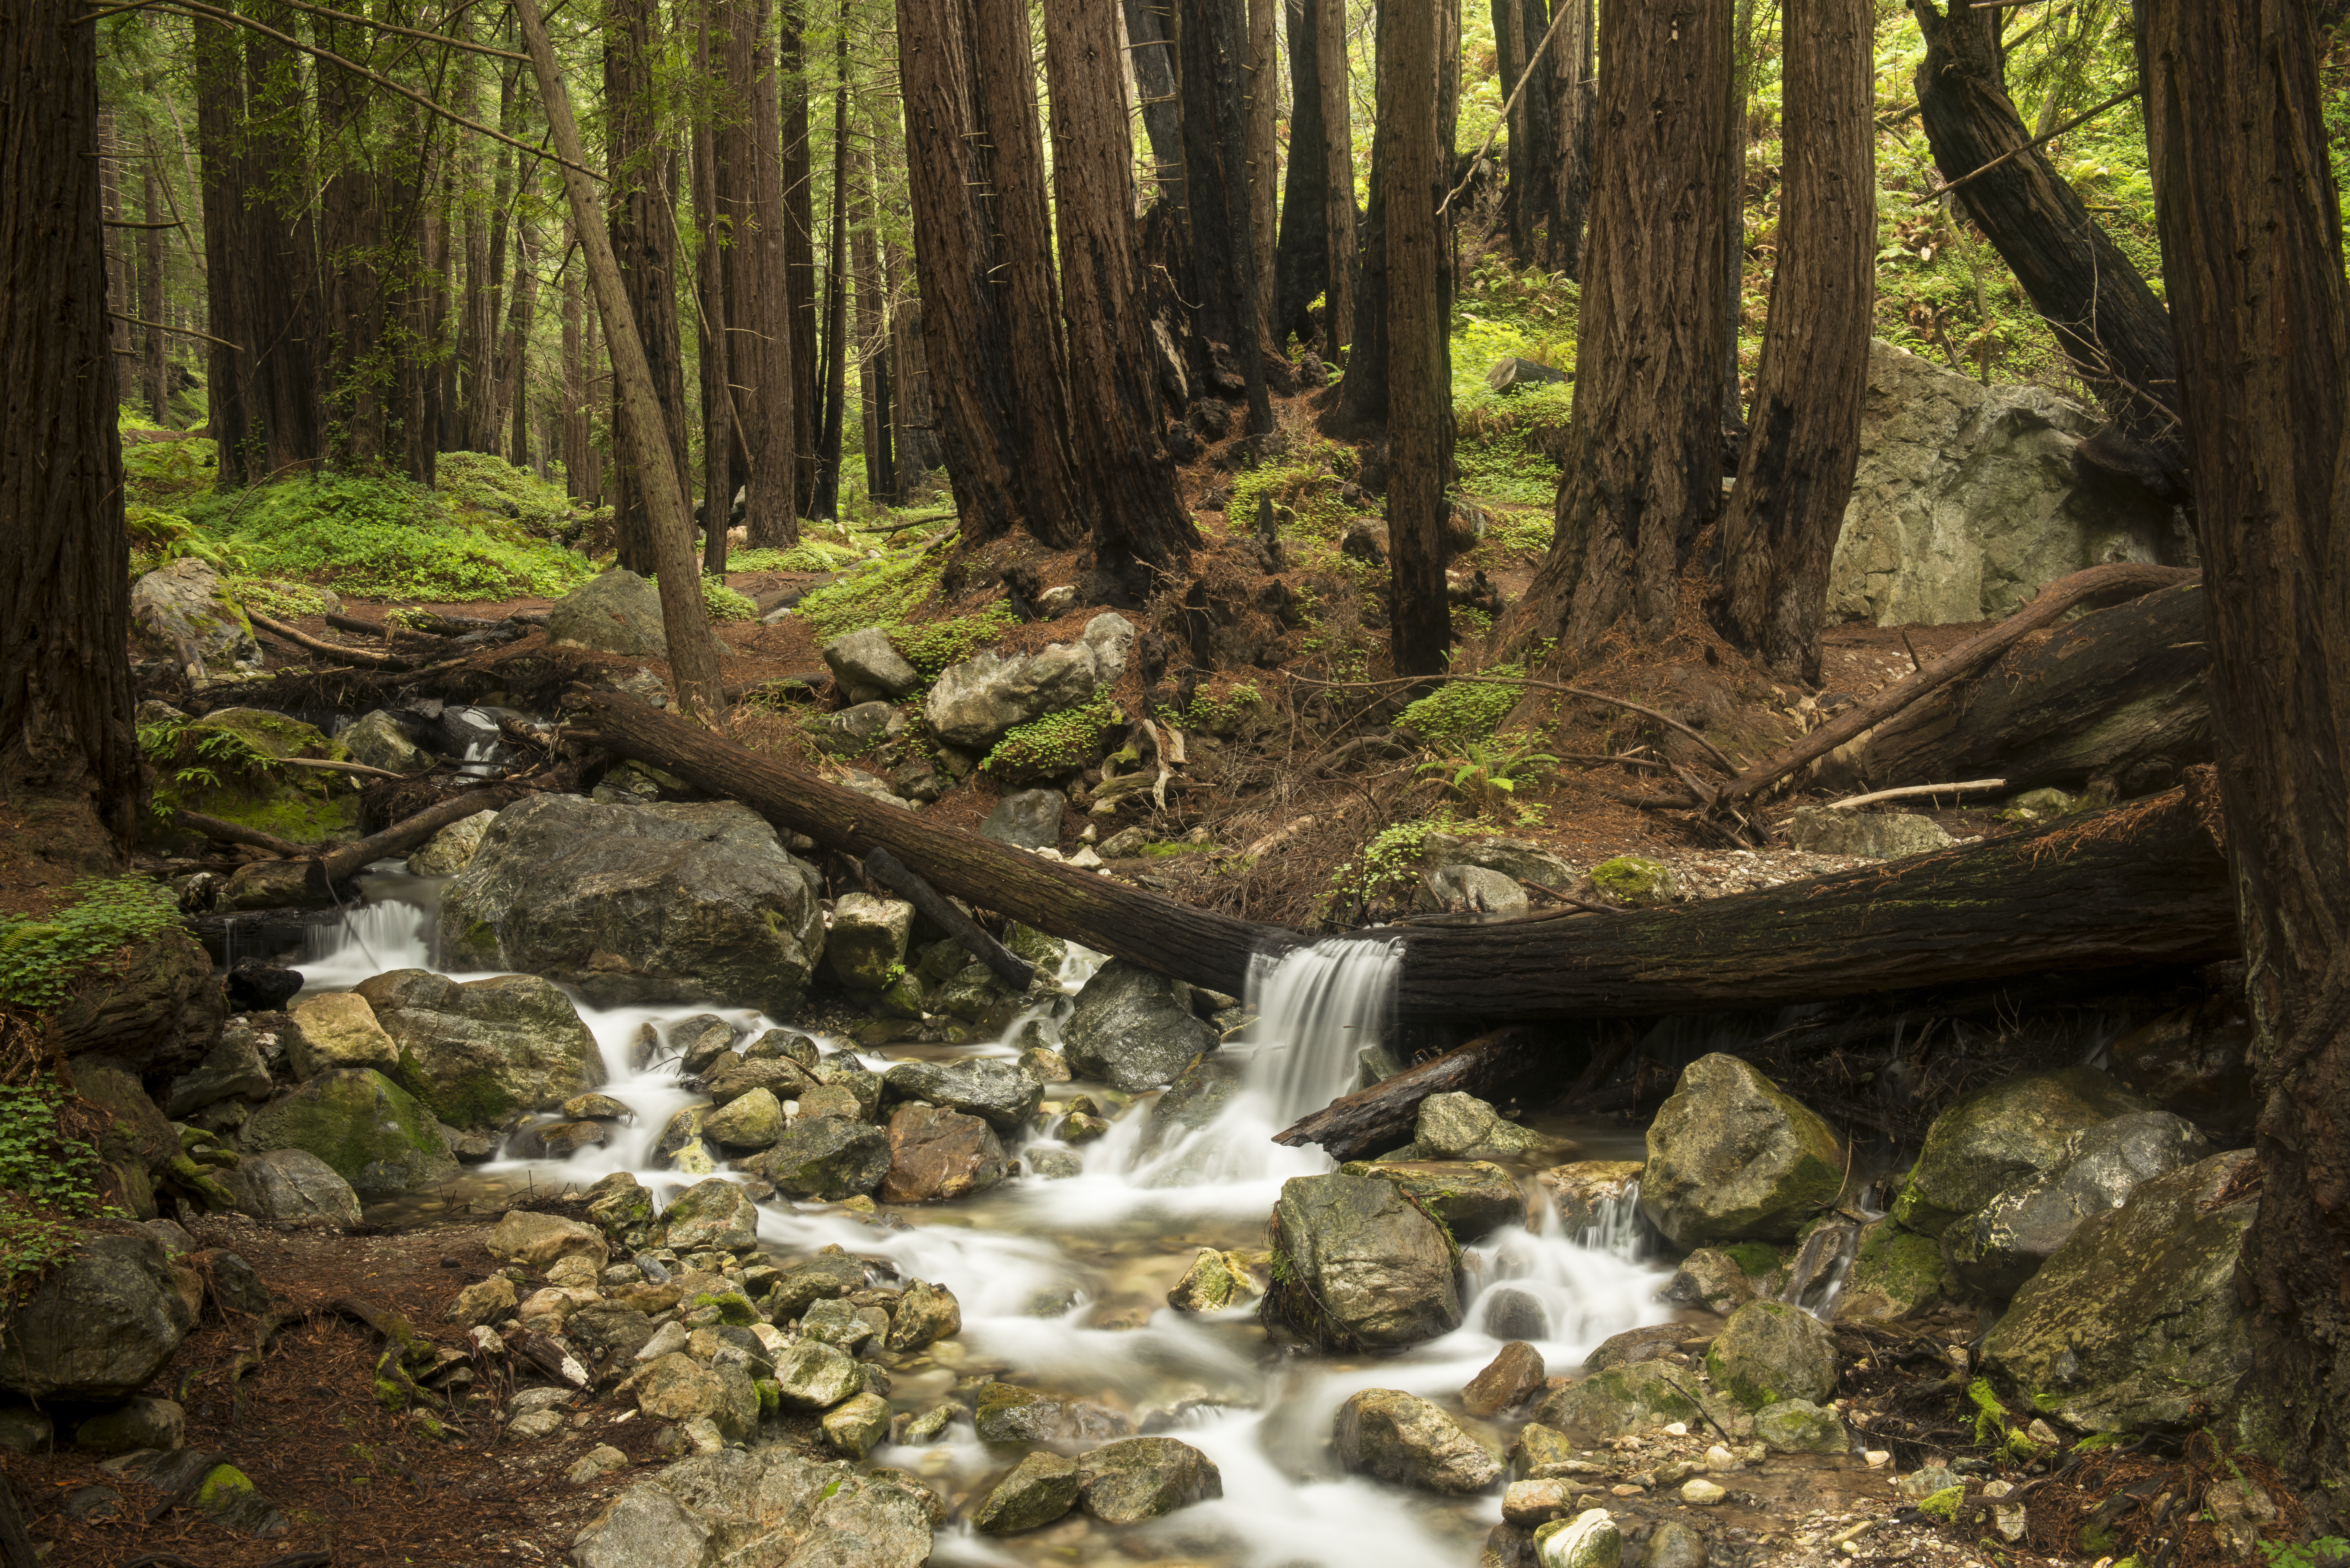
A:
(1815, 1280)
(1317, 1008)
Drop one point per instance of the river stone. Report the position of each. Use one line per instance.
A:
(971, 704)
(1132, 1028)
(371, 1131)
(1633, 880)
(1995, 1138)
(1673, 1545)
(1473, 1198)
(1872, 835)
(98, 1326)
(1471, 889)
(1895, 1274)
(1040, 1490)
(478, 1050)
(1404, 1440)
(1732, 1156)
(186, 601)
(814, 1376)
(825, 1159)
(293, 1184)
(712, 1216)
(1195, 1099)
(231, 1070)
(1026, 819)
(856, 1424)
(1359, 1265)
(452, 849)
(1635, 1345)
(1801, 1427)
(866, 939)
(998, 1092)
(540, 1240)
(1589, 1540)
(773, 1505)
(936, 1153)
(676, 1387)
(829, 1273)
(1620, 1402)
(135, 1425)
(1145, 1478)
(868, 665)
(693, 902)
(750, 1121)
(1588, 1193)
(2135, 1324)
(490, 1300)
(378, 739)
(698, 1042)
(338, 1030)
(1462, 1126)
(1994, 1249)
(842, 1070)
(1214, 1282)
(1770, 1351)
(781, 1080)
(1509, 1378)
(26, 1431)
(614, 612)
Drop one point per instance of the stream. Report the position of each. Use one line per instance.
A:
(1063, 1284)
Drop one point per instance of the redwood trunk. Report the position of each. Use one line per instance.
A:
(1302, 260)
(796, 176)
(1213, 48)
(761, 325)
(1568, 64)
(155, 361)
(872, 344)
(644, 240)
(1339, 164)
(721, 152)
(835, 297)
(1419, 421)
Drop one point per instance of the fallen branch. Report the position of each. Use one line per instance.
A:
(902, 879)
(1910, 792)
(223, 832)
(1716, 753)
(319, 645)
(344, 864)
(1372, 1121)
(327, 764)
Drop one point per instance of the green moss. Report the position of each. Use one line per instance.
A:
(473, 1099)
(930, 648)
(1634, 879)
(1944, 1504)
(1458, 714)
(1993, 1428)
(734, 1307)
(1057, 744)
(222, 1485)
(1755, 1259)
(40, 958)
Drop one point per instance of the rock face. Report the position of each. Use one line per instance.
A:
(1145, 1478)
(1770, 1352)
(1473, 1198)
(867, 939)
(2135, 1324)
(868, 665)
(99, 1327)
(1619, 1402)
(372, 1132)
(825, 1159)
(1026, 819)
(338, 1030)
(1463, 1126)
(1965, 503)
(1403, 1439)
(1877, 834)
(1733, 1157)
(937, 1153)
(616, 612)
(1469, 889)
(1994, 1249)
(1132, 1028)
(480, 1050)
(973, 703)
(185, 601)
(294, 1184)
(688, 903)
(998, 1092)
(1990, 1140)
(452, 849)
(768, 1506)
(1364, 1267)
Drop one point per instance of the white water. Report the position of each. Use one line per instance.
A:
(1043, 1269)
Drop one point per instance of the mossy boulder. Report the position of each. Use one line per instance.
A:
(1407, 1441)
(98, 1326)
(866, 942)
(1133, 1028)
(478, 1050)
(1896, 1273)
(1473, 1198)
(1994, 1249)
(714, 1214)
(825, 1159)
(184, 605)
(1619, 1402)
(1996, 1136)
(1801, 1427)
(1040, 1490)
(304, 806)
(1634, 879)
(615, 612)
(1357, 1263)
(1462, 1126)
(1732, 1156)
(1129, 1481)
(367, 1129)
(1770, 1352)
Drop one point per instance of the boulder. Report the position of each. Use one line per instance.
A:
(448, 852)
(730, 1080)
(974, 702)
(1520, 859)
(138, 1424)
(160, 1010)
(1801, 1427)
(99, 1326)
(1469, 889)
(335, 1031)
(1132, 1028)
(814, 1376)
(1673, 1545)
(539, 1240)
(1194, 1100)
(854, 730)
(866, 942)
(378, 739)
(1733, 1157)
(26, 1431)
(371, 1131)
(924, 1314)
(2135, 1323)
(1996, 1136)
(613, 612)
(1509, 1378)
(1511, 373)
(1872, 835)
(1589, 1194)
(231, 1070)
(478, 1050)
(1407, 1441)
(749, 1121)
(937, 1153)
(998, 1092)
(868, 665)
(1769, 1352)
(306, 805)
(1026, 819)
(676, 1387)
(1589, 1540)
(1895, 1274)
(1620, 1402)
(293, 1184)
(1214, 1282)
(665, 903)
(1356, 1264)
(483, 1302)
(856, 1424)
(715, 1215)
(1040, 1488)
(184, 605)
(698, 1042)
(1642, 883)
(1994, 1249)
(1473, 1198)
(825, 1159)
(1129, 1481)
(1462, 1126)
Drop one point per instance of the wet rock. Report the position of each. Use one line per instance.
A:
(1620, 1402)
(1587, 1193)
(98, 1326)
(1873, 835)
(1641, 883)
(843, 1071)
(971, 704)
(715, 1215)
(814, 1376)
(1471, 889)
(999, 1092)
(1770, 1352)
(1997, 1136)
(1133, 1029)
(667, 903)
(478, 1050)
(856, 1424)
(1195, 1099)
(451, 850)
(1801, 1427)
(372, 1132)
(137, 1423)
(1027, 819)
(1006, 1413)
(771, 1505)
(1509, 1378)
(1463, 1126)
(1214, 1282)
(1896, 1273)
(868, 665)
(1357, 1264)
(698, 1042)
(1040, 1490)
(829, 1273)
(866, 939)
(1673, 1545)
(1540, 1451)
(780, 1079)
(924, 1314)
(1527, 1503)
(937, 1153)
(2135, 1324)
(378, 739)
(548, 1141)
(1589, 1540)
(751, 1121)
(825, 1159)
(338, 1030)
(1995, 1250)
(1700, 1492)
(1145, 1478)
(294, 1184)
(1049, 1164)
(538, 1241)
(678, 1388)
(615, 611)
(186, 602)
(1714, 1279)
(838, 1324)
(1732, 1156)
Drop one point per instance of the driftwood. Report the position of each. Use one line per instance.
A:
(343, 864)
(319, 645)
(902, 879)
(2143, 884)
(1372, 1121)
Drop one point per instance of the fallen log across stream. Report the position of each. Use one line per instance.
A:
(2145, 883)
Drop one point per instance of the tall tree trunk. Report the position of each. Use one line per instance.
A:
(1360, 409)
(835, 294)
(69, 763)
(1533, 139)
(798, 179)
(916, 432)
(1211, 44)
(228, 251)
(118, 260)
(720, 155)
(1151, 51)
(643, 177)
(873, 400)
(761, 345)
(2252, 246)
(1796, 472)
(513, 386)
(1568, 63)
(591, 478)
(1127, 476)
(1302, 260)
(352, 215)
(2114, 331)
(1419, 420)
(1641, 477)
(1733, 233)
(476, 324)
(1264, 158)
(419, 299)
(692, 649)
(154, 367)
(573, 421)
(1338, 172)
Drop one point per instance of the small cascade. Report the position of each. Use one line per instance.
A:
(1551, 1286)
(374, 934)
(1318, 1008)
(1615, 1229)
(1815, 1280)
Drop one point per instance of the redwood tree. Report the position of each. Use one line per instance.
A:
(1419, 414)
(764, 334)
(643, 238)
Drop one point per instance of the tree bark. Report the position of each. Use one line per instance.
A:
(1359, 407)
(873, 355)
(1338, 173)
(1212, 47)
(1302, 260)
(69, 763)
(577, 458)
(1264, 156)
(1641, 476)
(643, 239)
(154, 361)
(692, 649)
(1534, 171)
(916, 429)
(2252, 245)
(1372, 1121)
(721, 153)
(797, 177)
(836, 296)
(1420, 422)
(1151, 51)
(1796, 472)
(760, 343)
(1568, 64)
(514, 382)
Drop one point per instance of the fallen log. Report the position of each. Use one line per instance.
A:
(343, 864)
(225, 831)
(1370, 1122)
(319, 645)
(902, 879)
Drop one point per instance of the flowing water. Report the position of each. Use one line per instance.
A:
(1063, 1284)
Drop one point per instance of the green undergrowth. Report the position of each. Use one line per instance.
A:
(807, 555)
(41, 957)
(1459, 714)
(719, 601)
(48, 1186)
(930, 648)
(481, 482)
(1387, 864)
(885, 592)
(1057, 744)
(1304, 486)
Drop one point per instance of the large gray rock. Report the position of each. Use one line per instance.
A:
(2135, 1325)
(1474, 1198)
(1518, 858)
(1874, 835)
(1463, 1126)
(1027, 819)
(1732, 1156)
(451, 850)
(231, 1070)
(1770, 1352)
(1145, 1478)
(338, 1030)
(615, 612)
(1994, 1249)
(1195, 1099)
(868, 665)
(99, 1327)
(378, 739)
(1359, 1266)
(185, 602)
(866, 942)
(1621, 1401)
(716, 1214)
(1132, 1028)
(825, 1159)
(692, 902)
(1040, 1490)
(372, 1132)
(1000, 1091)
(974, 702)
(1469, 889)
(772, 1506)
(1966, 503)
(1405, 1439)
(1991, 1139)
(293, 1184)
(480, 1050)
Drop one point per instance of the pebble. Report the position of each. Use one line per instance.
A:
(1877, 1458)
(1702, 1493)
(1718, 1458)
(596, 1463)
